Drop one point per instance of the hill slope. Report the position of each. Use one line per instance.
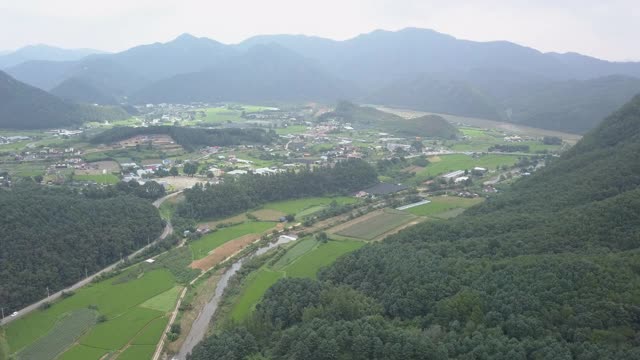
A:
(26, 107)
(365, 116)
(547, 269)
(43, 52)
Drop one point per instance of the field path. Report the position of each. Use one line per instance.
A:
(168, 230)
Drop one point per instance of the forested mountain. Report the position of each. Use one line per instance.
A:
(431, 126)
(81, 91)
(263, 73)
(416, 68)
(45, 244)
(25, 107)
(43, 52)
(546, 270)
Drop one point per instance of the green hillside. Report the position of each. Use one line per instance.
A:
(546, 270)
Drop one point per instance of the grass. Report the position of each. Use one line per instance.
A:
(300, 248)
(377, 225)
(201, 247)
(256, 286)
(152, 333)
(138, 352)
(164, 302)
(110, 300)
(304, 259)
(297, 206)
(455, 162)
(82, 352)
(308, 265)
(100, 179)
(63, 335)
(441, 205)
(116, 333)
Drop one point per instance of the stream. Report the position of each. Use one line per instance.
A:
(201, 324)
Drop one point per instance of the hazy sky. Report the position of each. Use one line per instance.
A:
(606, 29)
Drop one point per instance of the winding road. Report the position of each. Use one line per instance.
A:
(168, 230)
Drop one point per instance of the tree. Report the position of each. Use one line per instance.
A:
(190, 168)
(173, 171)
(417, 145)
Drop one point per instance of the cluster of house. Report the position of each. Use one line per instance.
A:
(12, 139)
(47, 153)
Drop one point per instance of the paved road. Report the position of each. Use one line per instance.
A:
(168, 230)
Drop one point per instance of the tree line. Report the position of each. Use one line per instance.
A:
(190, 138)
(239, 194)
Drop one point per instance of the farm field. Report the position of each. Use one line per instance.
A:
(63, 335)
(115, 298)
(293, 129)
(304, 259)
(298, 206)
(447, 163)
(370, 226)
(441, 206)
(100, 179)
(81, 352)
(137, 352)
(201, 247)
(164, 302)
(151, 334)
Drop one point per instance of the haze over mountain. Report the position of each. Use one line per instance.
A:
(25, 107)
(42, 52)
(414, 68)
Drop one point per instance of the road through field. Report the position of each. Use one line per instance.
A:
(168, 230)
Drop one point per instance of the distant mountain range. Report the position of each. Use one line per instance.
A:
(42, 52)
(413, 68)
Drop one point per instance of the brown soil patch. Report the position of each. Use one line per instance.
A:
(222, 252)
(268, 214)
(434, 159)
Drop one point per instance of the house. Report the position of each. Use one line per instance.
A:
(453, 175)
(237, 172)
(393, 147)
(461, 179)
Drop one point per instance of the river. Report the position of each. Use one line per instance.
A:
(201, 324)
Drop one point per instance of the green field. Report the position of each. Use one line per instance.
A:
(152, 333)
(300, 248)
(116, 333)
(62, 336)
(293, 129)
(324, 255)
(298, 206)
(81, 352)
(110, 299)
(201, 247)
(100, 179)
(255, 287)
(138, 352)
(453, 162)
(303, 259)
(441, 206)
(376, 225)
(164, 302)
(481, 140)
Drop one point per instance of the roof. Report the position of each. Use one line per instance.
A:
(384, 188)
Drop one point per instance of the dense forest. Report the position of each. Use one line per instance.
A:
(248, 191)
(190, 138)
(50, 237)
(546, 270)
